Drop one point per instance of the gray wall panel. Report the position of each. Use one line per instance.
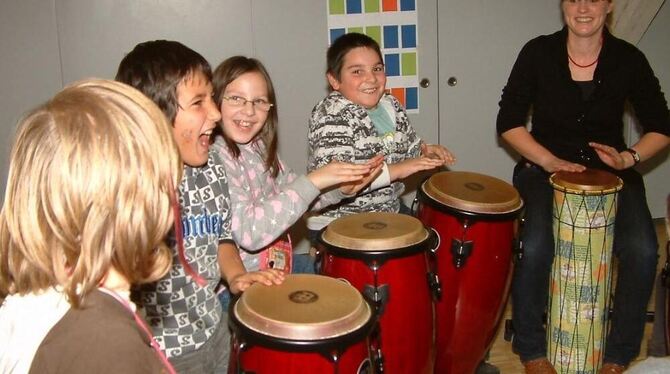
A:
(96, 34)
(29, 67)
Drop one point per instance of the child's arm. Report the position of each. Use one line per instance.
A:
(234, 274)
(261, 212)
(419, 156)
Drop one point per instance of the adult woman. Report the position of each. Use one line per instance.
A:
(577, 81)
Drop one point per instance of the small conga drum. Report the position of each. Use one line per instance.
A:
(475, 216)
(384, 256)
(584, 210)
(308, 324)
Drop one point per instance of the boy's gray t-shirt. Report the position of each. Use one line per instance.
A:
(182, 314)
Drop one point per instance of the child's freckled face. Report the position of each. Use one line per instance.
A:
(196, 118)
(362, 79)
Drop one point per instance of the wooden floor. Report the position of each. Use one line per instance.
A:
(508, 363)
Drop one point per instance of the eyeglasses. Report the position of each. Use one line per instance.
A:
(582, 1)
(237, 101)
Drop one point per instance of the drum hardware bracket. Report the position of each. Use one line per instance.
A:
(379, 295)
(379, 361)
(461, 250)
(332, 356)
(434, 285)
(517, 248)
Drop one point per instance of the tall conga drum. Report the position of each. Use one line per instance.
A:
(384, 256)
(584, 210)
(308, 324)
(475, 216)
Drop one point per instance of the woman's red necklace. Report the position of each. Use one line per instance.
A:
(583, 66)
(587, 65)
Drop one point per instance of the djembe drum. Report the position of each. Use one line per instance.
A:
(584, 212)
(475, 216)
(307, 324)
(384, 256)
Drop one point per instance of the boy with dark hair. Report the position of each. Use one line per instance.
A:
(182, 308)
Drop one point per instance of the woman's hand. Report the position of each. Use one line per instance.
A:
(613, 158)
(439, 152)
(555, 164)
(268, 277)
(337, 172)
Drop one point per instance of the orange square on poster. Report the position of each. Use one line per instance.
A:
(390, 5)
(399, 94)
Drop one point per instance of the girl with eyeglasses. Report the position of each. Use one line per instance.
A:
(267, 197)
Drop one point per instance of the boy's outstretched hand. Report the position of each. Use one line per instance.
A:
(410, 166)
(439, 152)
(337, 172)
(376, 163)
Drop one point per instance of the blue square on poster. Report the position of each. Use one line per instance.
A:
(354, 7)
(336, 33)
(407, 5)
(392, 64)
(391, 37)
(411, 98)
(408, 36)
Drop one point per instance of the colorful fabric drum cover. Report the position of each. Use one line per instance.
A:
(584, 211)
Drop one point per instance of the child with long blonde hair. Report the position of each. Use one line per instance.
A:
(87, 206)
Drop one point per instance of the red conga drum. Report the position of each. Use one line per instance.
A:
(384, 256)
(475, 217)
(308, 324)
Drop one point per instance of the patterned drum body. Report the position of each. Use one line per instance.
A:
(384, 256)
(308, 324)
(475, 217)
(584, 212)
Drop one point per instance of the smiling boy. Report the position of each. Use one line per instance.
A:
(182, 308)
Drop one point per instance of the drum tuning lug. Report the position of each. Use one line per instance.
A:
(460, 251)
(435, 244)
(379, 361)
(334, 356)
(517, 249)
(414, 211)
(378, 295)
(435, 286)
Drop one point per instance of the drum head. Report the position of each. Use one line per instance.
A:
(588, 182)
(472, 192)
(375, 232)
(306, 307)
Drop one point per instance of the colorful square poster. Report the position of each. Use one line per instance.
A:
(393, 24)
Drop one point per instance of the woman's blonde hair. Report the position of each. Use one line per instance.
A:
(91, 178)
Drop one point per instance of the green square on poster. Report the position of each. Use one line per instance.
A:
(375, 32)
(356, 29)
(371, 6)
(335, 7)
(408, 63)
